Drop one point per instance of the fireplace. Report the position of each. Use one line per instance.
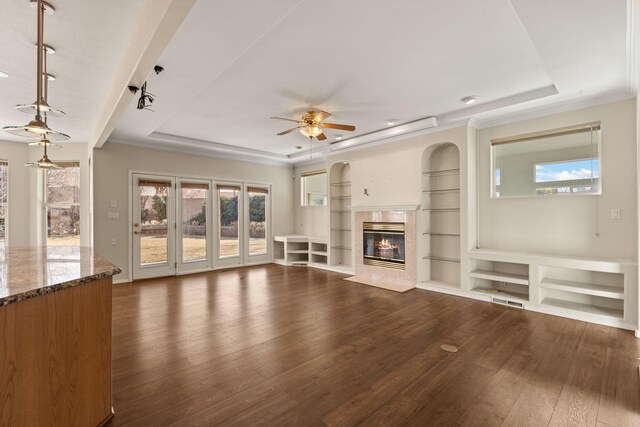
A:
(383, 244)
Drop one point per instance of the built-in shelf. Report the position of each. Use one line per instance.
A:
(298, 251)
(583, 288)
(442, 171)
(518, 279)
(319, 253)
(442, 284)
(442, 234)
(502, 293)
(442, 190)
(441, 258)
(584, 308)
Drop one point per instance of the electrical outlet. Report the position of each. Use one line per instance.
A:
(616, 214)
(114, 241)
(113, 215)
(114, 203)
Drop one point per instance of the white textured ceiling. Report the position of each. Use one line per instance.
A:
(90, 38)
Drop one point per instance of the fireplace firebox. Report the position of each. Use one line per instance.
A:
(383, 244)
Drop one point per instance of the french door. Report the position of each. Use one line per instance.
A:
(182, 225)
(154, 230)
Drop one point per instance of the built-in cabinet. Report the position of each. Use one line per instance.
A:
(340, 221)
(440, 208)
(591, 289)
(298, 250)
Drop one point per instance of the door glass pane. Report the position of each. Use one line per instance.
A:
(63, 226)
(62, 200)
(257, 221)
(194, 222)
(153, 222)
(228, 242)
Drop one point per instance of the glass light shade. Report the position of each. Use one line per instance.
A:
(36, 128)
(43, 163)
(311, 131)
(44, 142)
(44, 109)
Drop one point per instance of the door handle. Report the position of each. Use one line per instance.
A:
(136, 232)
(136, 224)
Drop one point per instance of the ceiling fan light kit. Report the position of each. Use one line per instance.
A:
(38, 127)
(311, 125)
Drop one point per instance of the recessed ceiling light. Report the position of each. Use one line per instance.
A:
(392, 122)
(338, 137)
(469, 99)
(345, 163)
(3, 75)
(298, 147)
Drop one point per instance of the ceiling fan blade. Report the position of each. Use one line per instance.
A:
(321, 116)
(350, 128)
(287, 131)
(289, 120)
(321, 137)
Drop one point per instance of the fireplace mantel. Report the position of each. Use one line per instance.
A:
(385, 208)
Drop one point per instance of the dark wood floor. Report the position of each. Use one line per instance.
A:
(271, 345)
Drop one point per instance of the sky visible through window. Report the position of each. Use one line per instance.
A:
(567, 171)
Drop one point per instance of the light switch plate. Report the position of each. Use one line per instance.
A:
(114, 204)
(615, 214)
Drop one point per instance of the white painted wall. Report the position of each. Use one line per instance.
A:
(26, 215)
(573, 225)
(111, 166)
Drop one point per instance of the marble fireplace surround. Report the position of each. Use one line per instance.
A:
(383, 277)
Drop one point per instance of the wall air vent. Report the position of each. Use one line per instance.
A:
(507, 302)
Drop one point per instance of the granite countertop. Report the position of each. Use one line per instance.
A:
(31, 271)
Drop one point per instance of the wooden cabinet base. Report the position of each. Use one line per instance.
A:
(55, 358)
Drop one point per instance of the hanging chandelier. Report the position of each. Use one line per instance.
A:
(38, 128)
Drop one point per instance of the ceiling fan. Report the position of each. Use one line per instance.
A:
(311, 125)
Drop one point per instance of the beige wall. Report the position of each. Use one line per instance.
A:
(26, 220)
(111, 166)
(573, 225)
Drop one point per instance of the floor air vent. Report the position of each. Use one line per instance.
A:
(507, 302)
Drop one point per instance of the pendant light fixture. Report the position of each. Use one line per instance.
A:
(38, 128)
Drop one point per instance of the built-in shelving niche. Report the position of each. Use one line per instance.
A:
(440, 228)
(340, 220)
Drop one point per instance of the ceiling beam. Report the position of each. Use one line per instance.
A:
(158, 22)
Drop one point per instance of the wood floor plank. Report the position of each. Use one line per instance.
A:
(271, 345)
(620, 395)
(534, 408)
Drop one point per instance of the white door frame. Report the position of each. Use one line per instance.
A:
(167, 268)
(184, 267)
(259, 258)
(229, 261)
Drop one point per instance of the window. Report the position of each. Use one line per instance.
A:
(575, 176)
(4, 200)
(194, 221)
(257, 220)
(62, 204)
(314, 189)
(228, 236)
(562, 161)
